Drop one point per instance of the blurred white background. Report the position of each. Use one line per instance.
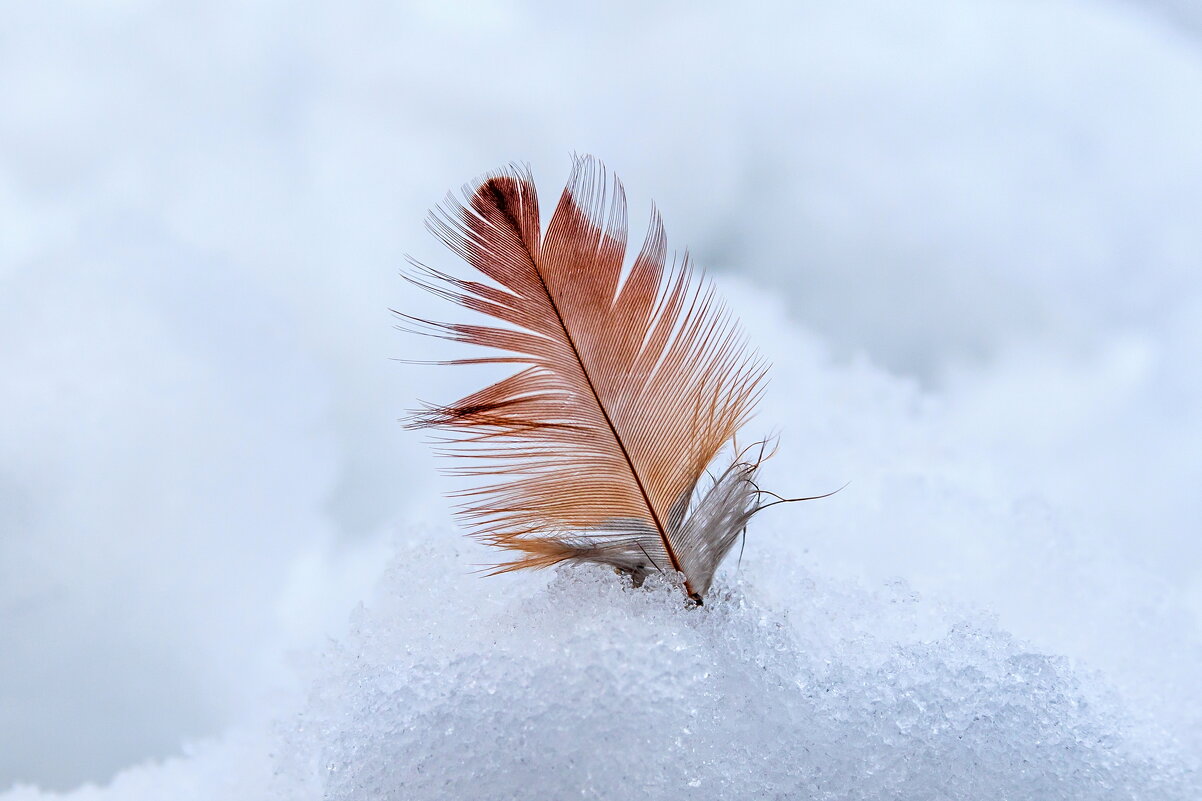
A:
(991, 210)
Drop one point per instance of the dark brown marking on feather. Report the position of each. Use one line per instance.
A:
(478, 410)
(499, 191)
(481, 415)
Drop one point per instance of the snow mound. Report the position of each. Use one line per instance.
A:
(581, 686)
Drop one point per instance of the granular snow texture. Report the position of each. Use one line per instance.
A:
(449, 687)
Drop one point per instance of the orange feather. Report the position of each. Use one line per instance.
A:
(629, 385)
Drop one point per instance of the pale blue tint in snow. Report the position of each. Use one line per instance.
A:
(583, 688)
(965, 233)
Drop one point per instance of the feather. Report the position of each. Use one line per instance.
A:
(627, 385)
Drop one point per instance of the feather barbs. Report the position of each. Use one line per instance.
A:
(628, 385)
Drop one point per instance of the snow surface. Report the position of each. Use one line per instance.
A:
(586, 688)
(966, 234)
(450, 687)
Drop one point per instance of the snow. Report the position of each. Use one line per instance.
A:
(574, 683)
(581, 686)
(965, 234)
